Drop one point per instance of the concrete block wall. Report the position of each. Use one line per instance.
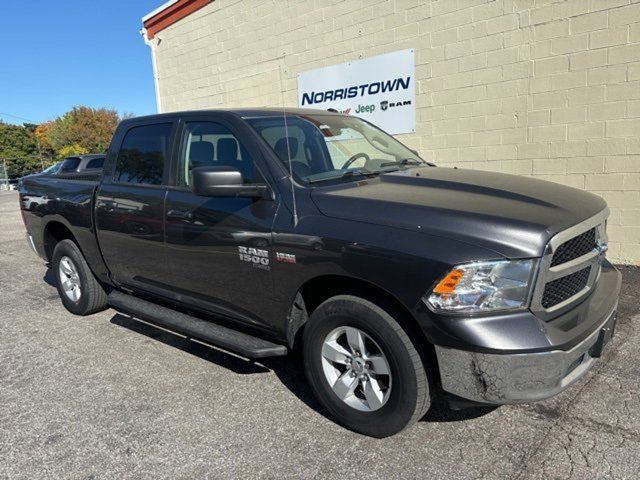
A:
(546, 88)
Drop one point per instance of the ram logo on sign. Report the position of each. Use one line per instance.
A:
(379, 89)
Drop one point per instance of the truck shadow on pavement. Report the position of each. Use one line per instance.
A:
(287, 371)
(291, 375)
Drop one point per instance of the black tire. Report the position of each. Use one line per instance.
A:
(409, 397)
(93, 297)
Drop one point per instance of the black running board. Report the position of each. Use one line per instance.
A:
(223, 337)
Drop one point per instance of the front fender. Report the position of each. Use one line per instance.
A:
(403, 263)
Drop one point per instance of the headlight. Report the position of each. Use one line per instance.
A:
(484, 287)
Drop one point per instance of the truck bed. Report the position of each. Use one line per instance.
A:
(50, 204)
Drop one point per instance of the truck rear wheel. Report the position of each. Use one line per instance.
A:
(78, 288)
(363, 368)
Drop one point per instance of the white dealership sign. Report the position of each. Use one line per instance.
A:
(379, 89)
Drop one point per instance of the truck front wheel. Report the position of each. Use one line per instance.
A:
(363, 368)
(78, 288)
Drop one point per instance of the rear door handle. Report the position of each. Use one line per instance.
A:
(180, 215)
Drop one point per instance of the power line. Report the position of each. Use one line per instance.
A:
(16, 116)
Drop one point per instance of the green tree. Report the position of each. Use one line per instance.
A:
(16, 141)
(19, 149)
(21, 166)
(30, 127)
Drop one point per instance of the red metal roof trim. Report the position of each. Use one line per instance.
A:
(172, 14)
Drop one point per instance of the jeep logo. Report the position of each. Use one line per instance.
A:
(365, 108)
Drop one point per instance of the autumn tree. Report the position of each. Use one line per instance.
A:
(84, 128)
(71, 150)
(30, 148)
(41, 133)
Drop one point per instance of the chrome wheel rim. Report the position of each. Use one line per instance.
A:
(356, 369)
(69, 279)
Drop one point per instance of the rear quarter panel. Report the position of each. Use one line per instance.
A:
(45, 199)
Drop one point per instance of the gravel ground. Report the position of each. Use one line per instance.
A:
(105, 396)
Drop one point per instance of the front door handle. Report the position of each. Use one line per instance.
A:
(180, 215)
(108, 206)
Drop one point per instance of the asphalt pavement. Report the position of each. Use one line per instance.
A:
(106, 396)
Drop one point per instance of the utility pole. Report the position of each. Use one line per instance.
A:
(4, 177)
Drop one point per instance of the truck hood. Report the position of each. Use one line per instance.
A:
(511, 215)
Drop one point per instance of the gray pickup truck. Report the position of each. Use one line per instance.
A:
(263, 232)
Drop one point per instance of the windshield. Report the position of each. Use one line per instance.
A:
(327, 147)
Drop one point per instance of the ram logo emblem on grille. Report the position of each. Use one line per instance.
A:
(602, 246)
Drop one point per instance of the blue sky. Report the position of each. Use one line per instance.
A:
(61, 53)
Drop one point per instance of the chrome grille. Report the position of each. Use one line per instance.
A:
(575, 248)
(559, 290)
(569, 267)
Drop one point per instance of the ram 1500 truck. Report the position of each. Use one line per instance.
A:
(262, 231)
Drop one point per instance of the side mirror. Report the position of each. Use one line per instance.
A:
(224, 181)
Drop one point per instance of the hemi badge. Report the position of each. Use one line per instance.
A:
(285, 257)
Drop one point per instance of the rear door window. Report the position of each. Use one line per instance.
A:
(95, 163)
(142, 155)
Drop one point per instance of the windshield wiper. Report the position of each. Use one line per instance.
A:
(402, 163)
(348, 174)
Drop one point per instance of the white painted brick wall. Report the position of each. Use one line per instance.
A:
(545, 88)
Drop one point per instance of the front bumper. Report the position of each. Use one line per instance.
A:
(496, 378)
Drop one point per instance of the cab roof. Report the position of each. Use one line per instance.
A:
(239, 112)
